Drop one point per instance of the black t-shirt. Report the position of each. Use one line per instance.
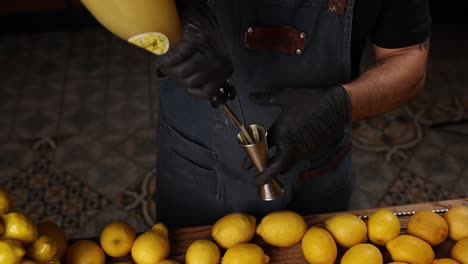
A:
(388, 24)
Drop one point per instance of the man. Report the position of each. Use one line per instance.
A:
(295, 67)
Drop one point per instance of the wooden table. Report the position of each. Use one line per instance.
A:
(182, 238)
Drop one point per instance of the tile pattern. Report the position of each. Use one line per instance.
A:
(411, 188)
(78, 154)
(96, 223)
(113, 174)
(36, 123)
(391, 133)
(9, 94)
(128, 116)
(99, 190)
(139, 200)
(6, 118)
(14, 156)
(444, 170)
(379, 174)
(141, 148)
(47, 192)
(79, 119)
(462, 182)
(130, 87)
(85, 91)
(37, 95)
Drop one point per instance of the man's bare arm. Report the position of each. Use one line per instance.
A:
(397, 77)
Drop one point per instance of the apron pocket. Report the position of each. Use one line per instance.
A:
(192, 175)
(188, 163)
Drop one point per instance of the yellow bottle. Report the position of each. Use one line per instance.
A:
(150, 24)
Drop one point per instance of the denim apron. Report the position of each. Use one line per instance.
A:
(199, 167)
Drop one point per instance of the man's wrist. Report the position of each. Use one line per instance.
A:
(349, 100)
(349, 90)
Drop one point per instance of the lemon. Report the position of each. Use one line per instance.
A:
(150, 247)
(85, 251)
(168, 261)
(457, 219)
(11, 251)
(428, 226)
(4, 201)
(347, 229)
(397, 262)
(318, 246)
(233, 229)
(460, 251)
(411, 249)
(2, 228)
(55, 233)
(362, 253)
(282, 228)
(445, 261)
(202, 251)
(42, 250)
(54, 260)
(28, 261)
(245, 253)
(19, 227)
(117, 239)
(383, 225)
(162, 229)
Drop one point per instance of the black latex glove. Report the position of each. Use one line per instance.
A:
(200, 60)
(311, 124)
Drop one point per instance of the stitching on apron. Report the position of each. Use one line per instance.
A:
(176, 133)
(347, 39)
(201, 177)
(195, 164)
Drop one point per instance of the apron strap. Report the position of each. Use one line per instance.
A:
(329, 166)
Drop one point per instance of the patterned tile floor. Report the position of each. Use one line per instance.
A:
(77, 132)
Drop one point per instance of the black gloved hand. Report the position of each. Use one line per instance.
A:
(311, 124)
(200, 60)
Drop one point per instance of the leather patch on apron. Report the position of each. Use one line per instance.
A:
(337, 6)
(282, 39)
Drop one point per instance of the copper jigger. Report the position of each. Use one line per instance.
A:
(258, 154)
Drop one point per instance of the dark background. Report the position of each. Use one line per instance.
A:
(51, 15)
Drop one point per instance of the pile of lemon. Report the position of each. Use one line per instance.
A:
(119, 239)
(361, 241)
(232, 239)
(24, 242)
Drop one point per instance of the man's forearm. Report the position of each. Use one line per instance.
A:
(396, 78)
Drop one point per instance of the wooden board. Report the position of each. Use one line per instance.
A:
(182, 238)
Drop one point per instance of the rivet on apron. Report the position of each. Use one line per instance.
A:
(298, 52)
(335, 6)
(250, 30)
(303, 35)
